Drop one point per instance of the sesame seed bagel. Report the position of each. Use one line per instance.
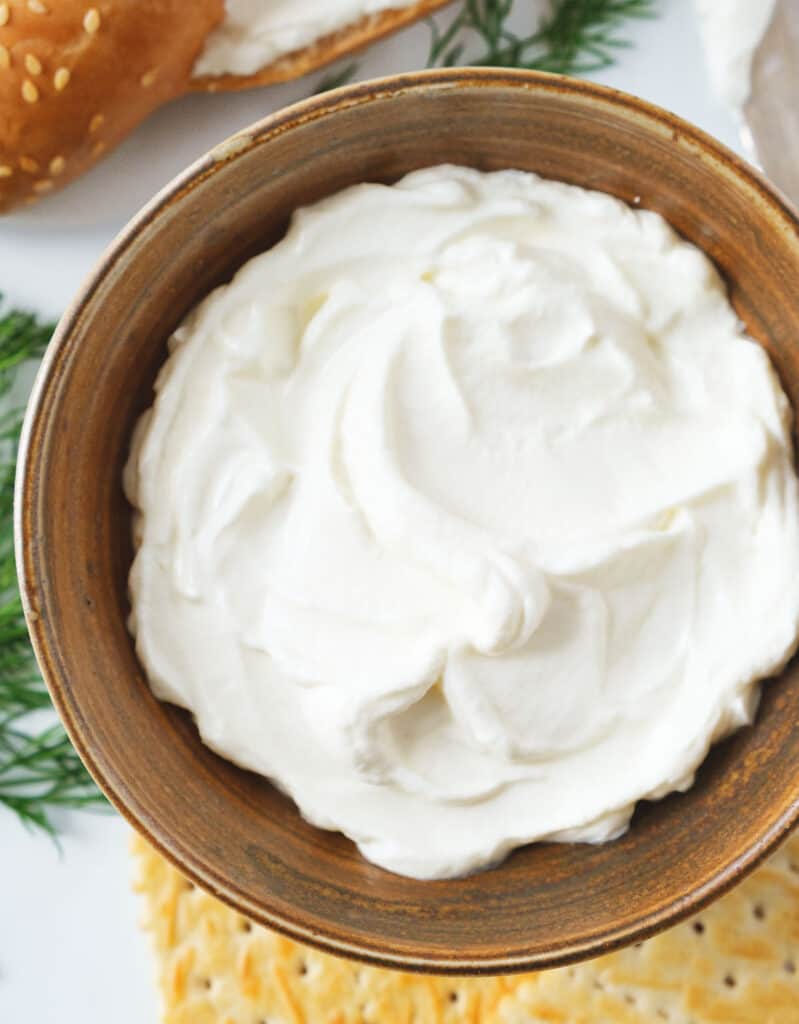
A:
(77, 76)
(325, 50)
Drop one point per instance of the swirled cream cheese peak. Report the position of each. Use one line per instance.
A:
(254, 33)
(467, 515)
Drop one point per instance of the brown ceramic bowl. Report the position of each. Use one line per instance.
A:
(231, 831)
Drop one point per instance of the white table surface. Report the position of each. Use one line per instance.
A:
(70, 949)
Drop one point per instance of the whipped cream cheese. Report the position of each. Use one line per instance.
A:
(467, 515)
(731, 33)
(254, 33)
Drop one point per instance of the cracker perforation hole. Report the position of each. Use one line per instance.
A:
(698, 927)
(789, 966)
(729, 981)
(759, 912)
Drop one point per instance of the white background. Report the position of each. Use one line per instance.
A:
(70, 949)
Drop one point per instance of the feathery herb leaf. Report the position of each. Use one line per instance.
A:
(576, 37)
(337, 77)
(39, 769)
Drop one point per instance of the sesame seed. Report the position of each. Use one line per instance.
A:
(57, 165)
(5, 14)
(98, 148)
(5, 57)
(28, 164)
(96, 123)
(29, 91)
(61, 79)
(37, 7)
(33, 64)
(148, 78)
(91, 20)
(6, 171)
(42, 186)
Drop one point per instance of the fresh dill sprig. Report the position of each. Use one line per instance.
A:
(338, 77)
(39, 769)
(22, 340)
(578, 37)
(40, 772)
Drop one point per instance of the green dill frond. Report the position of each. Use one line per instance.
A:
(336, 78)
(578, 37)
(22, 340)
(39, 769)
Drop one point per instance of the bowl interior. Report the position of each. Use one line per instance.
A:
(230, 830)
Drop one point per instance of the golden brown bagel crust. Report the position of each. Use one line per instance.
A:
(324, 51)
(76, 76)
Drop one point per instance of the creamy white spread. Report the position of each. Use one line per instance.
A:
(467, 514)
(254, 33)
(731, 33)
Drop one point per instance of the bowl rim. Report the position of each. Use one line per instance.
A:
(669, 911)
